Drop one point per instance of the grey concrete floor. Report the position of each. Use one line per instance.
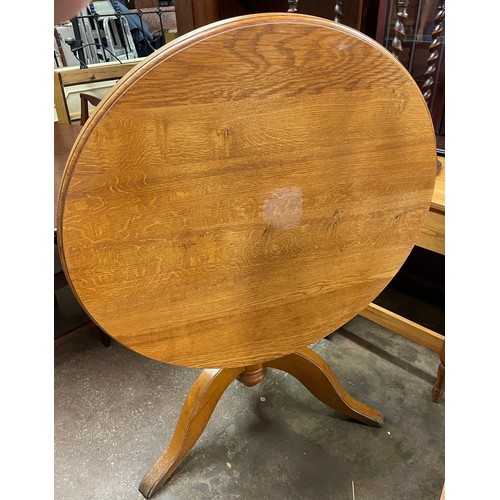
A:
(115, 412)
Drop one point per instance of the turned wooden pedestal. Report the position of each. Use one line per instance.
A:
(242, 193)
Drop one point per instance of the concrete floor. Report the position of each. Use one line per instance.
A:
(116, 410)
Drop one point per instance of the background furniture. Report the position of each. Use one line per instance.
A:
(192, 14)
(259, 205)
(65, 78)
(86, 100)
(113, 30)
(415, 31)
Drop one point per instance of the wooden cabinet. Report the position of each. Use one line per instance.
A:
(424, 39)
(192, 14)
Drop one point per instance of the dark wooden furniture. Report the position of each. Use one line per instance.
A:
(253, 208)
(192, 14)
(85, 101)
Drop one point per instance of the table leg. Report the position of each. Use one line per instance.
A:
(195, 414)
(313, 372)
(438, 388)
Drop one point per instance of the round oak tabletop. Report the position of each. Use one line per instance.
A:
(246, 190)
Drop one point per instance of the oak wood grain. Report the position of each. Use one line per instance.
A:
(246, 190)
(65, 135)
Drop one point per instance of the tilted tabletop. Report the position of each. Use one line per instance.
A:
(246, 190)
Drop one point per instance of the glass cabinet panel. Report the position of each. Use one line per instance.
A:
(424, 35)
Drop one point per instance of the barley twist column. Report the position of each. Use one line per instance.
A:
(434, 51)
(338, 11)
(399, 28)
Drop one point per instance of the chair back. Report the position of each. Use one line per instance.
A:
(65, 78)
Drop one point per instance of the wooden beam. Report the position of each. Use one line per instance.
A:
(409, 329)
(96, 72)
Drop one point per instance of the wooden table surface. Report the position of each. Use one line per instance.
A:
(65, 135)
(258, 204)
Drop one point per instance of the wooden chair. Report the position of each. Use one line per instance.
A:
(85, 100)
(256, 206)
(68, 77)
